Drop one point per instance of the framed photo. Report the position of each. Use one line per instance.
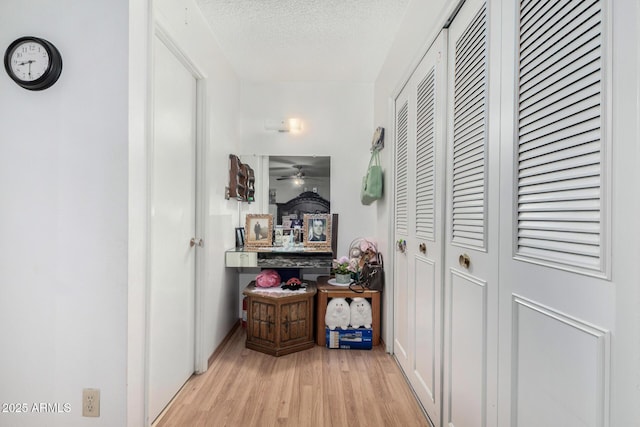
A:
(278, 236)
(239, 237)
(259, 230)
(317, 230)
(297, 234)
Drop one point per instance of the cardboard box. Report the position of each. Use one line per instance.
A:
(360, 338)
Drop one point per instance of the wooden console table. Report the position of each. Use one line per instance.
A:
(326, 291)
(279, 323)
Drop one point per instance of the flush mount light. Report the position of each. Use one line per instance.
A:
(284, 125)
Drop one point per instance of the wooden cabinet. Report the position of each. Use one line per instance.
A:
(279, 323)
(327, 291)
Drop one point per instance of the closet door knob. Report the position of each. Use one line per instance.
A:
(423, 248)
(464, 261)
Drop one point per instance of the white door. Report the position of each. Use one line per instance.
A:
(403, 319)
(172, 257)
(471, 240)
(418, 285)
(557, 303)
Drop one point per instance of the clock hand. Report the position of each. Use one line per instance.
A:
(27, 62)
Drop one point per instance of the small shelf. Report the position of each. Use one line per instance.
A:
(327, 291)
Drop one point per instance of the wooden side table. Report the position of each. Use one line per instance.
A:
(326, 291)
(279, 323)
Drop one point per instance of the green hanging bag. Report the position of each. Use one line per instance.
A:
(372, 182)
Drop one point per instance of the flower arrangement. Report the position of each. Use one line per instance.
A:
(344, 265)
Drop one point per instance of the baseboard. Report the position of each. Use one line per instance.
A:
(224, 342)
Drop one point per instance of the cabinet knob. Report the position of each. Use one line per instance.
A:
(464, 260)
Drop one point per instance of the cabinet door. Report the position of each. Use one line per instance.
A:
(294, 322)
(262, 326)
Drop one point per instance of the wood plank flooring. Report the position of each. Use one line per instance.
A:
(311, 388)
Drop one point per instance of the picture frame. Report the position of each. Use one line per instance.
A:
(317, 230)
(259, 230)
(278, 235)
(240, 236)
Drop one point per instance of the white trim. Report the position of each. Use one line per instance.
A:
(140, 36)
(388, 295)
(161, 30)
(202, 232)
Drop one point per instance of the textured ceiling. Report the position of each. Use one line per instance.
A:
(305, 40)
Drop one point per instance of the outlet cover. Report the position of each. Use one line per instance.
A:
(91, 402)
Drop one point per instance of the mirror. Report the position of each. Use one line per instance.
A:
(290, 176)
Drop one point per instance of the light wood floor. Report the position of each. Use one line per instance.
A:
(315, 387)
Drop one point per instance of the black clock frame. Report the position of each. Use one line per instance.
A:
(49, 77)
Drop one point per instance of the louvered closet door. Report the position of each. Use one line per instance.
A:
(557, 304)
(418, 325)
(404, 185)
(471, 252)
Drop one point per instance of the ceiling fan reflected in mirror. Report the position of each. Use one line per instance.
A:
(297, 177)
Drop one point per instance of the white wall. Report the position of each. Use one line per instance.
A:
(63, 222)
(337, 122)
(73, 174)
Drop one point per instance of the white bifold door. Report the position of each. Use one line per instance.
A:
(420, 133)
(557, 301)
(504, 297)
(472, 227)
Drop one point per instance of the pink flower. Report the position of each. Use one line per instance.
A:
(344, 265)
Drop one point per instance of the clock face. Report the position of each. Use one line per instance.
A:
(29, 61)
(33, 63)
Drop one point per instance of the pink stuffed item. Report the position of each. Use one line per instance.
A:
(267, 279)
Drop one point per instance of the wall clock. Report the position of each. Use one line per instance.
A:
(33, 63)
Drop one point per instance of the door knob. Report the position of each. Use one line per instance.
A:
(423, 248)
(195, 241)
(464, 261)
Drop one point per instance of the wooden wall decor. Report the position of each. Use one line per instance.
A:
(241, 181)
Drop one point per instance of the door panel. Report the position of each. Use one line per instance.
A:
(560, 373)
(401, 345)
(403, 319)
(557, 312)
(172, 259)
(420, 160)
(466, 346)
(471, 247)
(427, 336)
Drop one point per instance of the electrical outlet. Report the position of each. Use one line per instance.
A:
(91, 402)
